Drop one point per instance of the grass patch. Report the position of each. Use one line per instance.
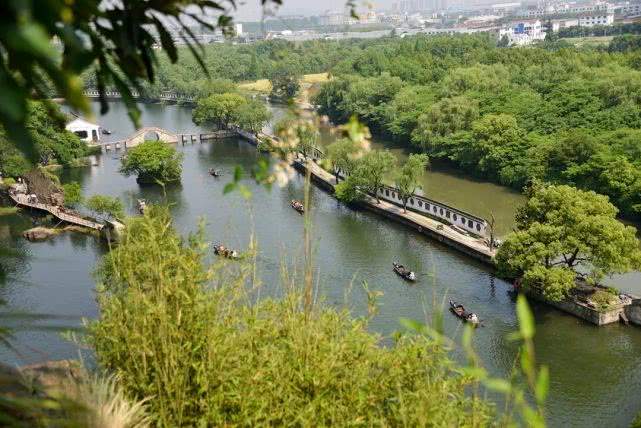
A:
(264, 85)
(315, 78)
(8, 211)
(589, 41)
(603, 299)
(188, 337)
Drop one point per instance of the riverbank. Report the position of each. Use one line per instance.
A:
(350, 246)
(471, 246)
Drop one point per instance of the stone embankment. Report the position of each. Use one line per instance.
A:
(469, 245)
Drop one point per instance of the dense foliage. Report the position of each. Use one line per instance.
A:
(564, 233)
(153, 162)
(106, 207)
(563, 115)
(409, 176)
(115, 39)
(185, 334)
(222, 111)
(600, 30)
(52, 144)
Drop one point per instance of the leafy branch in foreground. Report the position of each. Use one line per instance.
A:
(116, 39)
(188, 335)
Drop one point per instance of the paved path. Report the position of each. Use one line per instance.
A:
(474, 244)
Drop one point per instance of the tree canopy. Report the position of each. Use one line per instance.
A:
(115, 39)
(564, 233)
(501, 113)
(153, 162)
(107, 207)
(372, 169)
(409, 176)
(221, 111)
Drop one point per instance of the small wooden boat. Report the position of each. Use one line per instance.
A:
(298, 206)
(215, 172)
(404, 273)
(458, 310)
(142, 206)
(221, 250)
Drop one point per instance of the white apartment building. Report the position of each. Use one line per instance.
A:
(592, 19)
(569, 9)
(333, 18)
(558, 24)
(523, 32)
(628, 9)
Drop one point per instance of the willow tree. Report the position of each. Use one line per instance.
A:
(372, 170)
(563, 234)
(409, 177)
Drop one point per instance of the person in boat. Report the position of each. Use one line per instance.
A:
(472, 318)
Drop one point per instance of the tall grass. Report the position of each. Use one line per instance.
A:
(186, 337)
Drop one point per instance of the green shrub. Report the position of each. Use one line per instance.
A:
(603, 299)
(188, 337)
(153, 162)
(347, 192)
(73, 193)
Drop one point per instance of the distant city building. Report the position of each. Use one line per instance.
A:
(567, 9)
(411, 6)
(558, 24)
(505, 8)
(628, 9)
(238, 29)
(523, 32)
(332, 18)
(592, 19)
(368, 18)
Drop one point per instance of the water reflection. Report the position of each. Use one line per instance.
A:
(591, 368)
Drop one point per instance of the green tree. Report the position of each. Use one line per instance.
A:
(564, 233)
(342, 157)
(409, 177)
(219, 111)
(299, 135)
(115, 40)
(444, 118)
(285, 82)
(252, 116)
(73, 194)
(153, 162)
(106, 207)
(372, 170)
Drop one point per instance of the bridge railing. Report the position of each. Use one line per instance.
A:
(164, 96)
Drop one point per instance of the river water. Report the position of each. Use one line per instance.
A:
(595, 372)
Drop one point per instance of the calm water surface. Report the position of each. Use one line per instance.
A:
(596, 372)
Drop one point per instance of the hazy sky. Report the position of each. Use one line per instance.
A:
(251, 10)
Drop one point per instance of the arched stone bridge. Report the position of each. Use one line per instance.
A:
(152, 133)
(155, 133)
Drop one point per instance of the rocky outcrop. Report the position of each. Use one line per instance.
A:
(40, 233)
